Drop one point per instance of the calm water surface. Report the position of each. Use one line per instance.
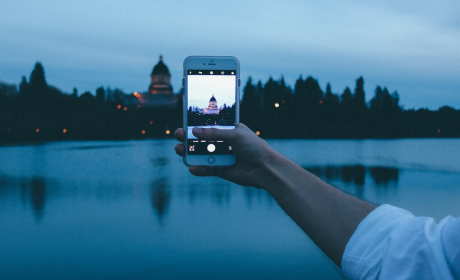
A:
(118, 210)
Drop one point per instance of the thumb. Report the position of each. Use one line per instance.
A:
(215, 134)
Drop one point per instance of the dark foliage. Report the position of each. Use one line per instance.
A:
(307, 112)
(39, 112)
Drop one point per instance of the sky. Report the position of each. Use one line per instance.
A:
(202, 88)
(412, 47)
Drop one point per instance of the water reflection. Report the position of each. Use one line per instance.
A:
(4, 183)
(384, 175)
(33, 191)
(92, 147)
(192, 193)
(356, 174)
(257, 195)
(160, 196)
(161, 161)
(6, 188)
(221, 194)
(211, 189)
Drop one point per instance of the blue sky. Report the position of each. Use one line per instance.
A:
(202, 88)
(409, 46)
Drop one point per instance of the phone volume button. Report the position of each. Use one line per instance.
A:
(183, 82)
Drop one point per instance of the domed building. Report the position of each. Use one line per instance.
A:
(212, 108)
(160, 79)
(160, 92)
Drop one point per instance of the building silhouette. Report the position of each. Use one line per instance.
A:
(160, 92)
(160, 79)
(212, 108)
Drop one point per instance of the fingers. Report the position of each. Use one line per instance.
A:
(204, 171)
(180, 150)
(211, 133)
(215, 134)
(244, 127)
(179, 134)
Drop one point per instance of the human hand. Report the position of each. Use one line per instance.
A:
(324, 213)
(252, 153)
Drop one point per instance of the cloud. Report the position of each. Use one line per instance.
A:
(394, 43)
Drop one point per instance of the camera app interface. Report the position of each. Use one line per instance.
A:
(211, 104)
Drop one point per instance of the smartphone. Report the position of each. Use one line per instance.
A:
(211, 100)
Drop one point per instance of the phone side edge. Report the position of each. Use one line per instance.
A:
(186, 65)
(184, 110)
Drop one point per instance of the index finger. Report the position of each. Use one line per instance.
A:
(179, 134)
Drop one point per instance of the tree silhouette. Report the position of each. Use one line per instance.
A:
(39, 112)
(314, 92)
(100, 95)
(37, 82)
(386, 115)
(24, 88)
(331, 113)
(331, 99)
(347, 98)
(359, 98)
(251, 106)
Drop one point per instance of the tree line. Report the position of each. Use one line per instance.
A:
(40, 112)
(278, 111)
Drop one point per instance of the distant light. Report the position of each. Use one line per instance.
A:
(119, 106)
(138, 106)
(439, 130)
(126, 108)
(257, 133)
(283, 101)
(321, 102)
(168, 132)
(64, 130)
(135, 93)
(143, 131)
(150, 122)
(8, 129)
(37, 130)
(277, 105)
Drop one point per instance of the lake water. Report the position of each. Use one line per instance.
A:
(131, 210)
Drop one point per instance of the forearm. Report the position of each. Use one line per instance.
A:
(328, 216)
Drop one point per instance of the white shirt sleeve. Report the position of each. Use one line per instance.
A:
(391, 243)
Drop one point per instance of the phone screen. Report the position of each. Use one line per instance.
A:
(211, 98)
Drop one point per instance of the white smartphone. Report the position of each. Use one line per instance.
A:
(211, 100)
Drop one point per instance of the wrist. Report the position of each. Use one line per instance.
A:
(273, 170)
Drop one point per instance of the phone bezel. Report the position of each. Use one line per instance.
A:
(203, 63)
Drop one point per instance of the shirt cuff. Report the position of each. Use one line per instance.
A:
(363, 253)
